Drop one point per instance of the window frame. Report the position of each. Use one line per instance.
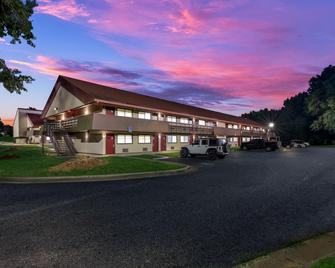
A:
(144, 141)
(168, 138)
(169, 117)
(183, 136)
(144, 115)
(125, 111)
(125, 139)
(202, 124)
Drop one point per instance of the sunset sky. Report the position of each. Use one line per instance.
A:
(227, 55)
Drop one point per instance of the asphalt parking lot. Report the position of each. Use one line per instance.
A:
(226, 211)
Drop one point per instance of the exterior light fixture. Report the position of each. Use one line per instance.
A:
(271, 125)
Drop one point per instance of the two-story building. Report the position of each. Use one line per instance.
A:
(27, 125)
(105, 120)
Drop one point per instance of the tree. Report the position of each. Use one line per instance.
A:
(15, 22)
(321, 100)
(1, 125)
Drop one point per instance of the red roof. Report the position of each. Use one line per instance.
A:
(35, 119)
(89, 92)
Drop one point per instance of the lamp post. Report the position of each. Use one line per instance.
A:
(271, 125)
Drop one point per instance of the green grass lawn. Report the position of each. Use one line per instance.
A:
(174, 154)
(28, 161)
(324, 263)
(6, 139)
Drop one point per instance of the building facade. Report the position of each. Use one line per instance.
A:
(105, 120)
(27, 125)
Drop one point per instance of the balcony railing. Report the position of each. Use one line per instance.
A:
(190, 129)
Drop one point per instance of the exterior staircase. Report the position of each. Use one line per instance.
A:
(60, 139)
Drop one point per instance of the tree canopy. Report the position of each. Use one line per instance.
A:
(15, 22)
(309, 115)
(321, 100)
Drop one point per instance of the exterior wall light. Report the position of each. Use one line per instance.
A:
(271, 125)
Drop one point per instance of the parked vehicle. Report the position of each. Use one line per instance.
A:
(259, 144)
(211, 147)
(298, 144)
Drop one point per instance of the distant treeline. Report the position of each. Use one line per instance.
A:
(309, 115)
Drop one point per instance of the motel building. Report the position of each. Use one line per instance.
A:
(27, 125)
(90, 118)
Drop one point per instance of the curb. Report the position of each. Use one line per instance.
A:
(96, 178)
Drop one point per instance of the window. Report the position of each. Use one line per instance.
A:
(172, 139)
(213, 142)
(144, 139)
(124, 113)
(124, 139)
(235, 127)
(144, 115)
(204, 142)
(184, 121)
(245, 139)
(230, 126)
(184, 139)
(210, 124)
(201, 122)
(233, 139)
(171, 119)
(246, 128)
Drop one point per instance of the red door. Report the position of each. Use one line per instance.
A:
(155, 143)
(110, 144)
(109, 111)
(163, 142)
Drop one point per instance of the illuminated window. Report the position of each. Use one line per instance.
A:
(184, 139)
(184, 120)
(235, 126)
(124, 113)
(144, 139)
(144, 115)
(201, 122)
(246, 139)
(172, 139)
(171, 119)
(124, 139)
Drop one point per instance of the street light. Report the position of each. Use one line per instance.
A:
(271, 125)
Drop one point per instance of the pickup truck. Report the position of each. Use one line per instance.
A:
(212, 148)
(260, 144)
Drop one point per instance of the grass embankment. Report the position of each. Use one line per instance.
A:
(6, 138)
(28, 161)
(324, 263)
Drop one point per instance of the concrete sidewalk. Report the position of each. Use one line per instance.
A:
(302, 254)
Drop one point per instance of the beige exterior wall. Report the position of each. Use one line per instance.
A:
(177, 145)
(90, 147)
(135, 147)
(63, 101)
(22, 123)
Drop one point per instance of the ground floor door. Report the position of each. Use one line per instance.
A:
(163, 142)
(110, 144)
(155, 143)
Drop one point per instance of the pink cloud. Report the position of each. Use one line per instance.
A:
(63, 9)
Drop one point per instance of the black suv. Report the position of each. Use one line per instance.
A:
(259, 144)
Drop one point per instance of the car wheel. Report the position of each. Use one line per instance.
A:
(184, 153)
(212, 155)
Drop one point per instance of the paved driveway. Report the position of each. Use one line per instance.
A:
(226, 211)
